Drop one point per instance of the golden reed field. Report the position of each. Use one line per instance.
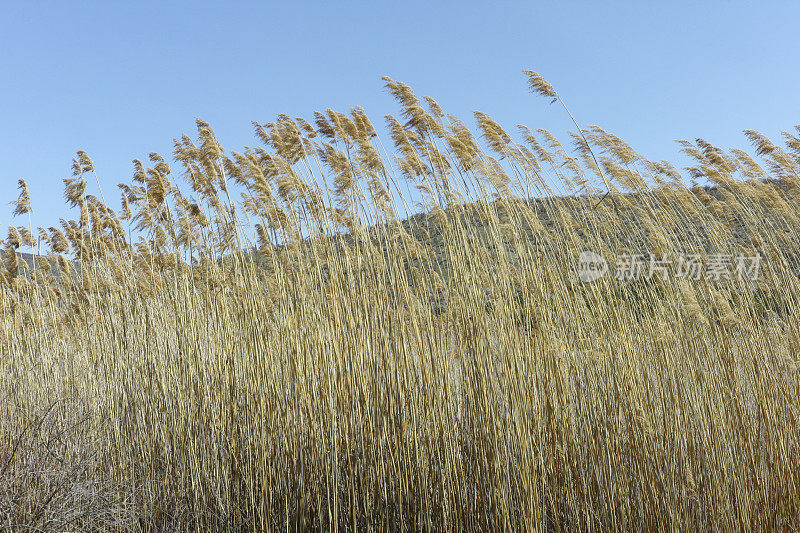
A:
(418, 326)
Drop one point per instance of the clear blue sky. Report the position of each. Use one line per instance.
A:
(120, 80)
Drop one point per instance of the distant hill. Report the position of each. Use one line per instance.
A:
(28, 259)
(428, 230)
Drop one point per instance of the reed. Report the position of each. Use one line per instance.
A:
(347, 329)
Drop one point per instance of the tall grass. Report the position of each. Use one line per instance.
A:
(270, 339)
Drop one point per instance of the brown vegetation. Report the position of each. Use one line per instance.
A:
(266, 339)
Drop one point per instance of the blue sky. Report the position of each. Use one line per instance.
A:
(120, 80)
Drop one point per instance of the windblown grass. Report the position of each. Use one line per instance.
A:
(269, 339)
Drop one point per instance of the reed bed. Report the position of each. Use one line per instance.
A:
(346, 329)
